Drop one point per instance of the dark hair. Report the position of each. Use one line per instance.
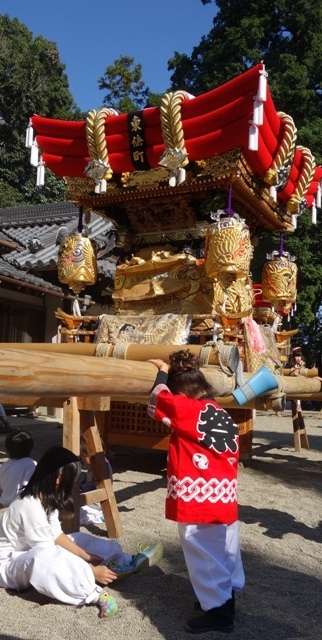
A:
(19, 444)
(296, 351)
(57, 461)
(185, 377)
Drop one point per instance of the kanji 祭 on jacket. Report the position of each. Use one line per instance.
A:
(202, 458)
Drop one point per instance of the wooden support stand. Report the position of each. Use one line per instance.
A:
(299, 429)
(79, 416)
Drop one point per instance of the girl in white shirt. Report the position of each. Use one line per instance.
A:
(35, 551)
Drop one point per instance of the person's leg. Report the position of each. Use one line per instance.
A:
(214, 564)
(233, 560)
(2, 412)
(104, 547)
(213, 561)
(4, 422)
(54, 572)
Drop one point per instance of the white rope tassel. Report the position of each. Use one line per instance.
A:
(76, 308)
(181, 175)
(318, 195)
(34, 154)
(258, 115)
(102, 185)
(313, 215)
(294, 221)
(97, 188)
(262, 85)
(253, 137)
(172, 179)
(273, 192)
(29, 136)
(40, 173)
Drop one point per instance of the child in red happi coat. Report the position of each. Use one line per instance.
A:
(201, 486)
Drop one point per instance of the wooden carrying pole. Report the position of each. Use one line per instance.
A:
(135, 352)
(26, 373)
(141, 352)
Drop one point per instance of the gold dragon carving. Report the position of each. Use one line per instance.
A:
(279, 283)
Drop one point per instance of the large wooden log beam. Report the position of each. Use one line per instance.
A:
(138, 352)
(37, 373)
(141, 352)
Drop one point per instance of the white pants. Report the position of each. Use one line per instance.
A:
(213, 560)
(58, 573)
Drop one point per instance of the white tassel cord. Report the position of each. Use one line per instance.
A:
(29, 135)
(258, 115)
(253, 137)
(172, 179)
(181, 175)
(102, 186)
(313, 217)
(34, 154)
(273, 192)
(262, 85)
(76, 308)
(294, 221)
(318, 195)
(40, 173)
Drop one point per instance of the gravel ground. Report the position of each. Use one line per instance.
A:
(281, 535)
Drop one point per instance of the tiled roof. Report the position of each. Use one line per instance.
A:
(11, 272)
(33, 232)
(35, 229)
(32, 213)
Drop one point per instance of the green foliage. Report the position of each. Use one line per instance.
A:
(126, 91)
(32, 80)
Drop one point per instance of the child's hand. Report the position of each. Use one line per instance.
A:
(163, 366)
(103, 575)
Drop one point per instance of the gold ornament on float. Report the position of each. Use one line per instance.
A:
(279, 281)
(228, 245)
(77, 265)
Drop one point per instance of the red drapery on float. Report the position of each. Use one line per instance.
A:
(213, 123)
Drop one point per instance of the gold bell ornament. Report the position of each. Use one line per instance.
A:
(279, 280)
(228, 244)
(77, 264)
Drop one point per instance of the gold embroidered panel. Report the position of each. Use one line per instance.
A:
(165, 329)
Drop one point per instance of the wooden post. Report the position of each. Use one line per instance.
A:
(71, 440)
(78, 417)
(104, 492)
(299, 429)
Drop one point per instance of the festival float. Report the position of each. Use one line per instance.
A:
(189, 187)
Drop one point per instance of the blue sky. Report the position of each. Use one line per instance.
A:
(90, 36)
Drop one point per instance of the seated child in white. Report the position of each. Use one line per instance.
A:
(16, 472)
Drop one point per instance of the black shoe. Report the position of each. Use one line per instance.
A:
(230, 604)
(216, 619)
